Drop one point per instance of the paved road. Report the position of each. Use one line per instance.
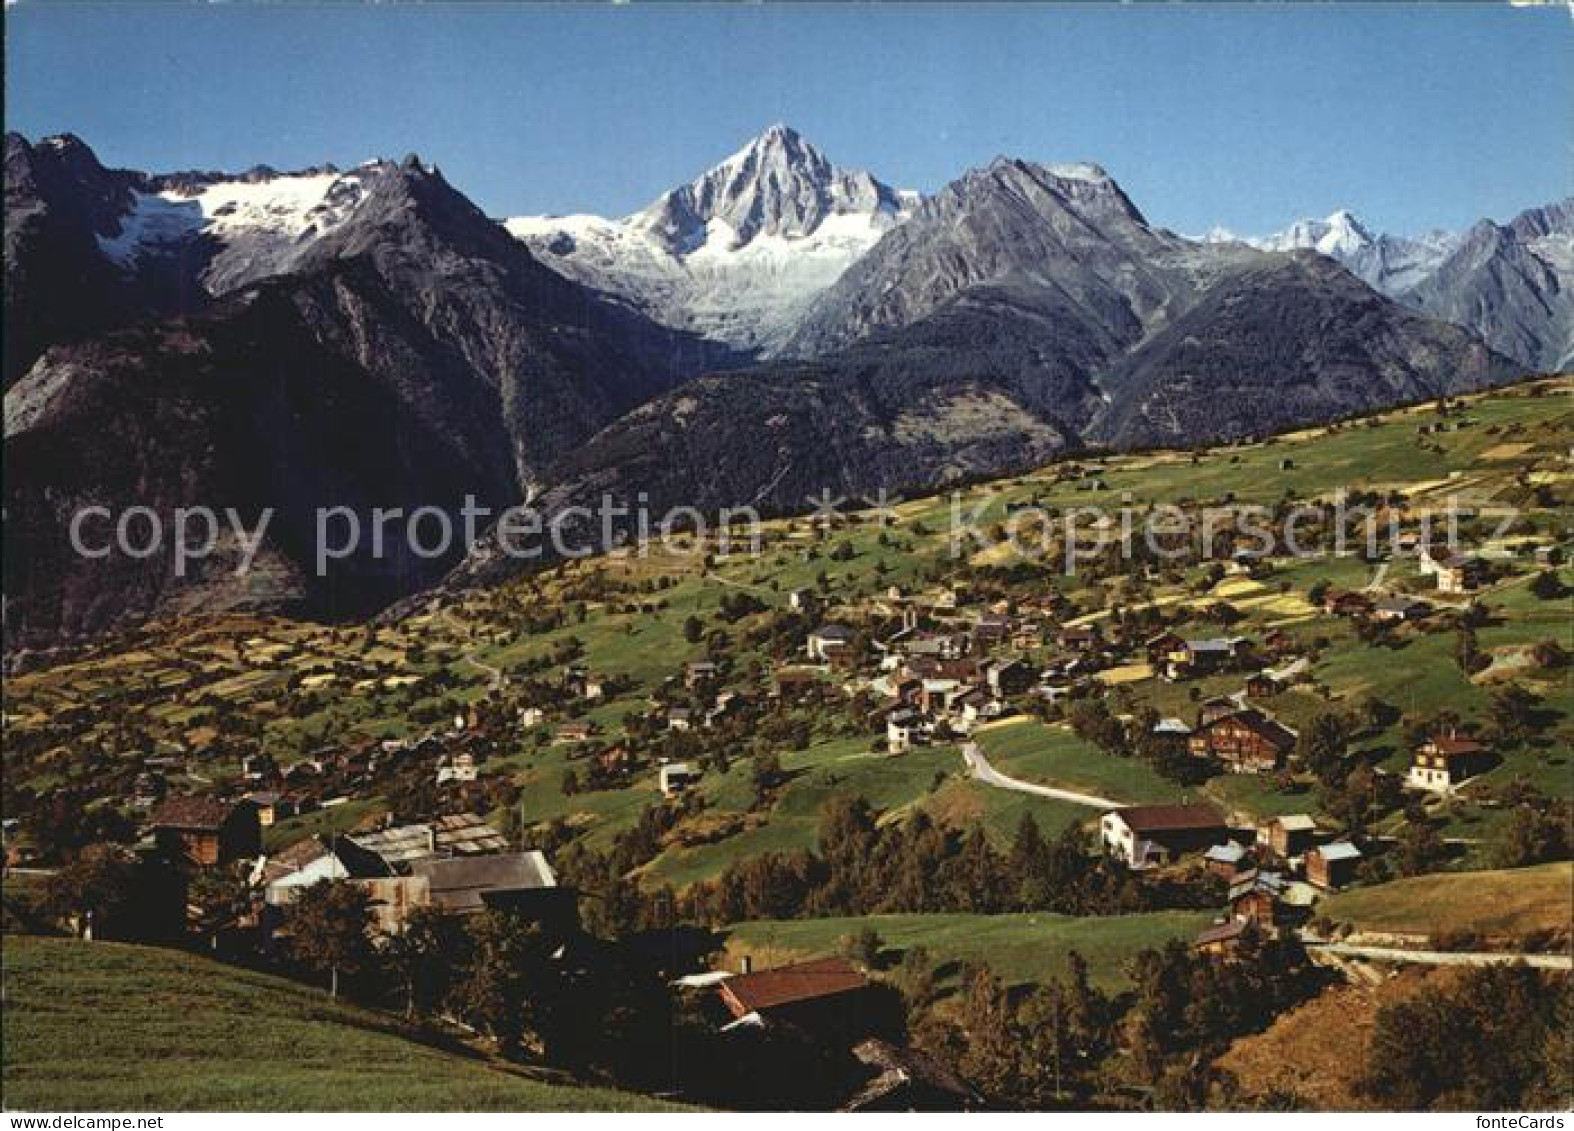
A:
(493, 673)
(1443, 957)
(980, 768)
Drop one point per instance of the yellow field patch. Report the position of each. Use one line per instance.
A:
(1238, 587)
(1506, 451)
(1126, 673)
(997, 724)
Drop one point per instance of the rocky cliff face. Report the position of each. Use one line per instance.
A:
(58, 285)
(1513, 284)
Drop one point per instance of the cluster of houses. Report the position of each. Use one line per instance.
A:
(333, 777)
(453, 864)
(1274, 871)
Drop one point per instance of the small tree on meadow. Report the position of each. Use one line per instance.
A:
(328, 927)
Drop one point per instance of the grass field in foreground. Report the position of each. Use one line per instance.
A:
(1020, 948)
(1507, 901)
(106, 1027)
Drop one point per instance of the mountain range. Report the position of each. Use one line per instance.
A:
(775, 327)
(1512, 283)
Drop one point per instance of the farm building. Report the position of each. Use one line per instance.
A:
(1332, 866)
(908, 1079)
(206, 831)
(1146, 835)
(828, 641)
(823, 993)
(1227, 859)
(675, 777)
(1395, 609)
(1443, 761)
(1291, 835)
(518, 881)
(1246, 741)
(287, 873)
(1254, 897)
(1221, 939)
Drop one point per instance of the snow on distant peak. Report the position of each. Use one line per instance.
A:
(269, 214)
(1389, 263)
(738, 253)
(1078, 171)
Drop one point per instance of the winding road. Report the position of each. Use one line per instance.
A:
(493, 673)
(1441, 957)
(980, 768)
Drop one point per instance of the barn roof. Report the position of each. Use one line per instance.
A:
(1166, 818)
(1228, 853)
(1341, 850)
(192, 812)
(1221, 933)
(459, 883)
(1457, 744)
(785, 985)
(1296, 823)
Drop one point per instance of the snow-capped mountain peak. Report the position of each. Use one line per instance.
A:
(777, 185)
(1391, 264)
(737, 253)
(1340, 234)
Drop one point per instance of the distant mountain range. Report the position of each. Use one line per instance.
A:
(1512, 283)
(776, 326)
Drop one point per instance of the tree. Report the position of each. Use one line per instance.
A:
(507, 987)
(328, 928)
(92, 889)
(221, 896)
(1512, 710)
(1547, 586)
(693, 629)
(1531, 835)
(1421, 848)
(1322, 745)
(1477, 1046)
(1467, 652)
(420, 959)
(766, 772)
(864, 948)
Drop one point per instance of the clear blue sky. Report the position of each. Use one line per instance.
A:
(1245, 116)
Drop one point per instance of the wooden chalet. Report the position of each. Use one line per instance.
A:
(1229, 859)
(1254, 897)
(1247, 741)
(1291, 835)
(1332, 866)
(1346, 603)
(206, 831)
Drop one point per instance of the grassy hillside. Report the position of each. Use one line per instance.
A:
(1505, 902)
(1020, 948)
(202, 691)
(105, 1027)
